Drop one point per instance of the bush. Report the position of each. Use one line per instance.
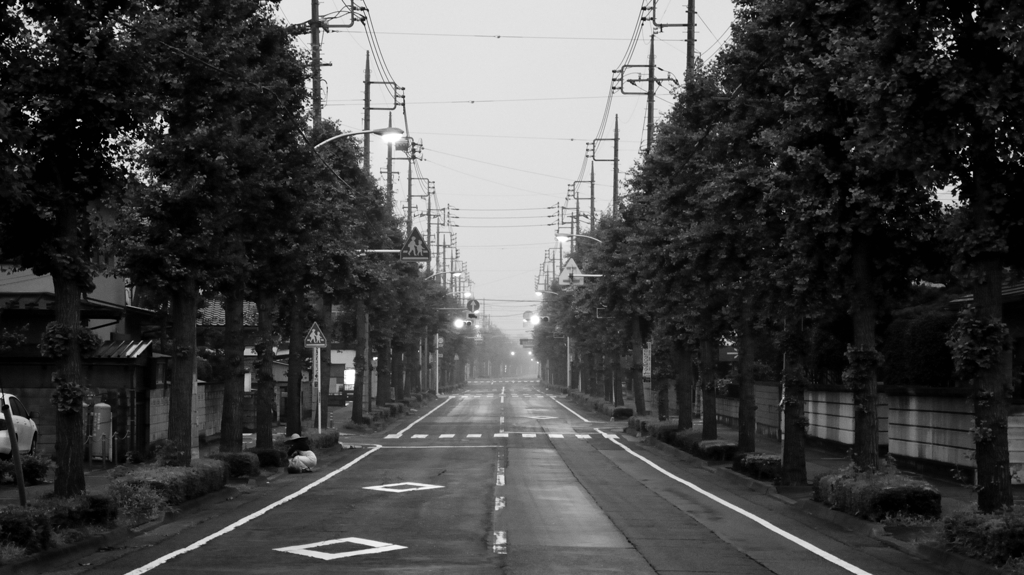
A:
(34, 468)
(759, 465)
(270, 457)
(875, 495)
(622, 412)
(329, 438)
(136, 502)
(179, 484)
(995, 538)
(240, 464)
(165, 453)
(80, 511)
(25, 527)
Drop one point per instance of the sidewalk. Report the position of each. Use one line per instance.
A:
(955, 496)
(96, 473)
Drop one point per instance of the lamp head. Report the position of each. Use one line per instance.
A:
(390, 135)
(562, 238)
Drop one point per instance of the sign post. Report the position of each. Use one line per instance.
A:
(315, 339)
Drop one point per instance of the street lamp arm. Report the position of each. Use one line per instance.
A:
(389, 135)
(565, 237)
(455, 274)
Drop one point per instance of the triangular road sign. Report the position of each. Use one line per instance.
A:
(315, 337)
(571, 274)
(415, 249)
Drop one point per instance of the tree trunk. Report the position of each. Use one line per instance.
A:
(794, 454)
(861, 375)
(607, 378)
(619, 400)
(296, 359)
(360, 363)
(234, 380)
(265, 373)
(183, 336)
(384, 373)
(327, 317)
(637, 368)
(412, 367)
(708, 360)
(683, 356)
(747, 407)
(398, 369)
(69, 477)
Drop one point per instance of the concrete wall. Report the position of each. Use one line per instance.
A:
(934, 425)
(210, 409)
(766, 417)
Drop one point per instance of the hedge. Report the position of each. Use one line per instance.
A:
(33, 468)
(688, 440)
(177, 484)
(26, 527)
(875, 495)
(994, 537)
(759, 465)
(240, 463)
(270, 456)
(80, 511)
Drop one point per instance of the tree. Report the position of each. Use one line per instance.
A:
(69, 97)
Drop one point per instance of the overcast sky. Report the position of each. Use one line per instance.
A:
(504, 97)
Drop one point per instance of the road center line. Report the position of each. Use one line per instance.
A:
(160, 561)
(425, 415)
(583, 419)
(769, 526)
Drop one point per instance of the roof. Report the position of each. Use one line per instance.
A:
(1011, 292)
(47, 302)
(122, 349)
(212, 314)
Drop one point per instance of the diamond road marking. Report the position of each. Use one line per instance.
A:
(371, 547)
(447, 435)
(419, 436)
(403, 487)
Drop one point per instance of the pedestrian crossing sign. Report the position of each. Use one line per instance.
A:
(315, 337)
(571, 274)
(415, 249)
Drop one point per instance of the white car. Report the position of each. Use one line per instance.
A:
(24, 428)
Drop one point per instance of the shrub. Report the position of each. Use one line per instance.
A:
(759, 465)
(995, 538)
(79, 511)
(240, 464)
(875, 495)
(165, 453)
(34, 468)
(136, 502)
(25, 527)
(622, 412)
(180, 484)
(715, 449)
(270, 457)
(329, 438)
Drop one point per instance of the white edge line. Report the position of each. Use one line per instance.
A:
(425, 416)
(160, 561)
(583, 419)
(764, 523)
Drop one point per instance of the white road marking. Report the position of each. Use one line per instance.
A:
(424, 416)
(500, 543)
(529, 435)
(447, 435)
(764, 523)
(473, 436)
(420, 436)
(403, 487)
(503, 399)
(499, 503)
(583, 419)
(161, 560)
(501, 477)
(500, 435)
(556, 436)
(371, 547)
(582, 436)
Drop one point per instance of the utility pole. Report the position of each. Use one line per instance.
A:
(650, 92)
(615, 170)
(314, 42)
(591, 196)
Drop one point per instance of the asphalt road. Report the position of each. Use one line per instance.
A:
(502, 478)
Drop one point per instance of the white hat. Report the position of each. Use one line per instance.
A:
(294, 437)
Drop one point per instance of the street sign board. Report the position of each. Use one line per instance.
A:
(415, 249)
(315, 337)
(440, 342)
(571, 274)
(526, 342)
(472, 305)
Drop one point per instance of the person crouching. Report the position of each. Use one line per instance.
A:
(301, 458)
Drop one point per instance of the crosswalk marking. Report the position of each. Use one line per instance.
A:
(525, 435)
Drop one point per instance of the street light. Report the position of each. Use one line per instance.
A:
(453, 274)
(541, 292)
(390, 135)
(566, 237)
